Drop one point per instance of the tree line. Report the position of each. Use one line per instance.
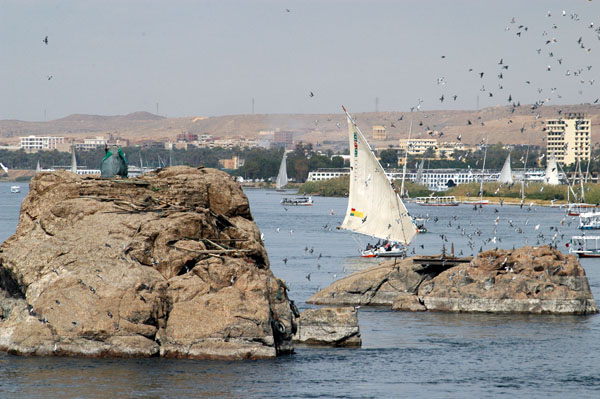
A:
(261, 163)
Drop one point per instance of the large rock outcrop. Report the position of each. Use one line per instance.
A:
(167, 264)
(525, 280)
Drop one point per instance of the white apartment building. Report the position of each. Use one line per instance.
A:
(37, 143)
(90, 144)
(569, 138)
(417, 146)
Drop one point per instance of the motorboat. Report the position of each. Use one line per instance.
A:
(589, 221)
(585, 246)
(579, 208)
(297, 201)
(15, 189)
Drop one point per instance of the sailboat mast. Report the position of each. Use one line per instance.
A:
(405, 159)
(482, 172)
(581, 183)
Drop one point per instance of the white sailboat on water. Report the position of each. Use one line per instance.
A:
(282, 178)
(551, 176)
(506, 172)
(374, 207)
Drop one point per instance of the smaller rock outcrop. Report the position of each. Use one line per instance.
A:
(329, 327)
(525, 280)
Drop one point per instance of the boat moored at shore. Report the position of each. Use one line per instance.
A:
(585, 246)
(437, 201)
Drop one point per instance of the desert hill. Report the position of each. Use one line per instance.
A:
(520, 125)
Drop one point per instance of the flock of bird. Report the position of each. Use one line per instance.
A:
(562, 69)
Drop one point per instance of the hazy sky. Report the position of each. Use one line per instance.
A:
(212, 57)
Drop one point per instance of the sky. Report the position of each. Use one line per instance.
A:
(207, 58)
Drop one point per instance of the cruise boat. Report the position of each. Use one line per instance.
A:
(589, 221)
(15, 189)
(585, 246)
(437, 201)
(297, 201)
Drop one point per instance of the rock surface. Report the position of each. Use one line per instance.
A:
(329, 327)
(525, 280)
(167, 264)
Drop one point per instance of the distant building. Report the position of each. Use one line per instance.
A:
(447, 149)
(100, 141)
(569, 138)
(379, 132)
(37, 143)
(187, 137)
(90, 144)
(233, 163)
(283, 138)
(417, 146)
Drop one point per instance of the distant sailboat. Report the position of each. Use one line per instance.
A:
(551, 176)
(282, 178)
(374, 207)
(506, 173)
(73, 160)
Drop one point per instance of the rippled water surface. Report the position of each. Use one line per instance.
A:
(403, 354)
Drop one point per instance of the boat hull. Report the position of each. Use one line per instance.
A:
(456, 204)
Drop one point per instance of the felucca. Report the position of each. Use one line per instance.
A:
(282, 178)
(374, 207)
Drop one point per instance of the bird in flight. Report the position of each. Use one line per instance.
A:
(49, 77)
(311, 94)
(45, 41)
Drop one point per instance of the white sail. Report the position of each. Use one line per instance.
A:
(506, 173)
(551, 176)
(419, 177)
(374, 208)
(282, 178)
(73, 160)
(38, 168)
(4, 168)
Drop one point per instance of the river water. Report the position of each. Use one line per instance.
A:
(403, 354)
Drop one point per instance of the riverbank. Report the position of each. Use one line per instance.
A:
(535, 193)
(18, 175)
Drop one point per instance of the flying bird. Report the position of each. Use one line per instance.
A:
(49, 77)
(311, 94)
(45, 41)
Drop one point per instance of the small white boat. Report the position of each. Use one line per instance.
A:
(420, 224)
(437, 201)
(589, 221)
(15, 189)
(297, 201)
(477, 202)
(389, 250)
(585, 246)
